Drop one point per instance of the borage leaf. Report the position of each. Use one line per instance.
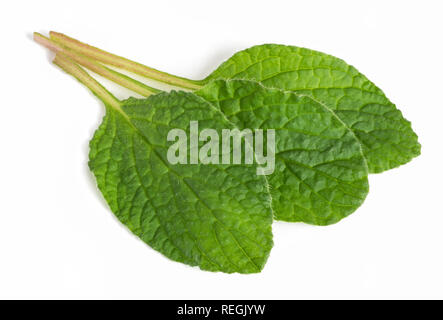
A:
(320, 172)
(217, 217)
(386, 137)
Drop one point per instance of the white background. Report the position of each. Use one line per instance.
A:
(58, 239)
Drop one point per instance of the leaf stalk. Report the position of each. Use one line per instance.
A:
(123, 63)
(96, 67)
(70, 67)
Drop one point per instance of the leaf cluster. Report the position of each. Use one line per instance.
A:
(332, 126)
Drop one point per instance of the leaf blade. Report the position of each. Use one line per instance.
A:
(387, 138)
(196, 214)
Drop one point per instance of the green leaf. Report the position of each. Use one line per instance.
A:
(217, 217)
(320, 172)
(386, 137)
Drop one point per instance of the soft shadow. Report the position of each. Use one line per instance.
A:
(214, 60)
(88, 175)
(283, 225)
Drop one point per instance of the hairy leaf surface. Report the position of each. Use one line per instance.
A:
(320, 172)
(386, 137)
(217, 217)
